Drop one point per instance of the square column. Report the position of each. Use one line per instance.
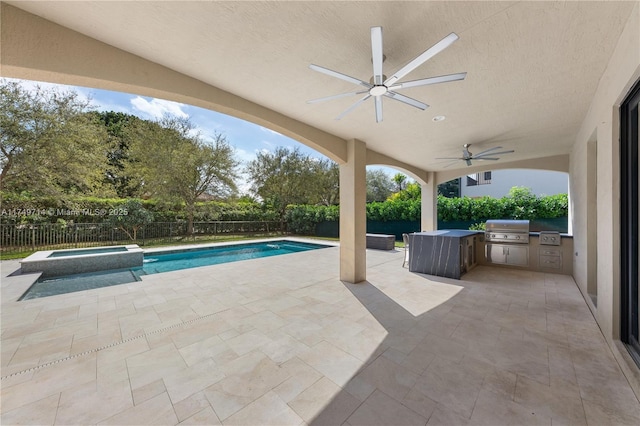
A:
(429, 204)
(353, 213)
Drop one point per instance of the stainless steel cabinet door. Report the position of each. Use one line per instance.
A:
(496, 253)
(518, 255)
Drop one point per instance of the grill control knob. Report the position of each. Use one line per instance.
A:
(493, 235)
(506, 236)
(518, 237)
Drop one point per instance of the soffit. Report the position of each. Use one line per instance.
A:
(533, 67)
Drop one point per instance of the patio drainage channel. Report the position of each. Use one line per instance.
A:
(90, 351)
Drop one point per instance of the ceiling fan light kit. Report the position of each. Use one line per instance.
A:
(380, 85)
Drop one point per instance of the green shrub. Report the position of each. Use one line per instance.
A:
(130, 217)
(302, 219)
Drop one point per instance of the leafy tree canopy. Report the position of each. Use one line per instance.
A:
(130, 217)
(49, 144)
(400, 180)
(379, 186)
(450, 189)
(287, 176)
(174, 162)
(118, 142)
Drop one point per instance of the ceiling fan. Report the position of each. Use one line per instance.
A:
(484, 155)
(380, 85)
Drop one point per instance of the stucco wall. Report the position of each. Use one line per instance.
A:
(541, 182)
(602, 125)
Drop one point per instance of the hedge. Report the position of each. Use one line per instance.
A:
(302, 219)
(162, 211)
(520, 204)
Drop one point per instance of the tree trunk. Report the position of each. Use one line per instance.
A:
(282, 221)
(190, 222)
(5, 170)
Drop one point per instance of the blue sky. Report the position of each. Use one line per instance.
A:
(247, 138)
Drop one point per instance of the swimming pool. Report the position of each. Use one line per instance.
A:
(192, 258)
(166, 261)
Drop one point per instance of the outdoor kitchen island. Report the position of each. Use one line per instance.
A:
(445, 253)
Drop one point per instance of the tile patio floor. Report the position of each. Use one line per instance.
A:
(282, 341)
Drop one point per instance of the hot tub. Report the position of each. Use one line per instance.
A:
(53, 263)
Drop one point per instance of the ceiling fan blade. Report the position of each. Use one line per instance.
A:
(430, 80)
(339, 75)
(452, 163)
(378, 103)
(376, 54)
(493, 153)
(489, 150)
(448, 158)
(485, 158)
(342, 95)
(406, 100)
(352, 107)
(420, 59)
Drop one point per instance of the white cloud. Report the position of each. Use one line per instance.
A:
(244, 155)
(273, 132)
(156, 108)
(243, 184)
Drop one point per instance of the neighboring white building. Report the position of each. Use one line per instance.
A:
(497, 183)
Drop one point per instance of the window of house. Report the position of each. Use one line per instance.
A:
(483, 178)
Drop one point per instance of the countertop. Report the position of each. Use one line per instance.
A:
(450, 233)
(537, 234)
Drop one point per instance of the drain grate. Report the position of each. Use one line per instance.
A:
(121, 342)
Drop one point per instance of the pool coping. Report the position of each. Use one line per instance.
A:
(235, 243)
(30, 278)
(87, 262)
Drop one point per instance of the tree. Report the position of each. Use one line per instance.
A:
(130, 217)
(450, 189)
(379, 186)
(175, 163)
(326, 190)
(399, 179)
(49, 144)
(411, 192)
(118, 142)
(287, 176)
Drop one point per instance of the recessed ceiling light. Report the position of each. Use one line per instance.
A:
(439, 118)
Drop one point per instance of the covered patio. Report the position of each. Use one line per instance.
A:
(552, 81)
(217, 345)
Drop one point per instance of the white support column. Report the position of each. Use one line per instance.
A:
(353, 213)
(429, 204)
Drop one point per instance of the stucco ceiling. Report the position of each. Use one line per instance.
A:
(533, 67)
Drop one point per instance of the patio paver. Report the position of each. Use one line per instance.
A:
(282, 340)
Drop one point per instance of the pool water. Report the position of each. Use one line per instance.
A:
(66, 253)
(78, 282)
(165, 261)
(193, 258)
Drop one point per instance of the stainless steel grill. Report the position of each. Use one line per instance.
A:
(549, 238)
(507, 231)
